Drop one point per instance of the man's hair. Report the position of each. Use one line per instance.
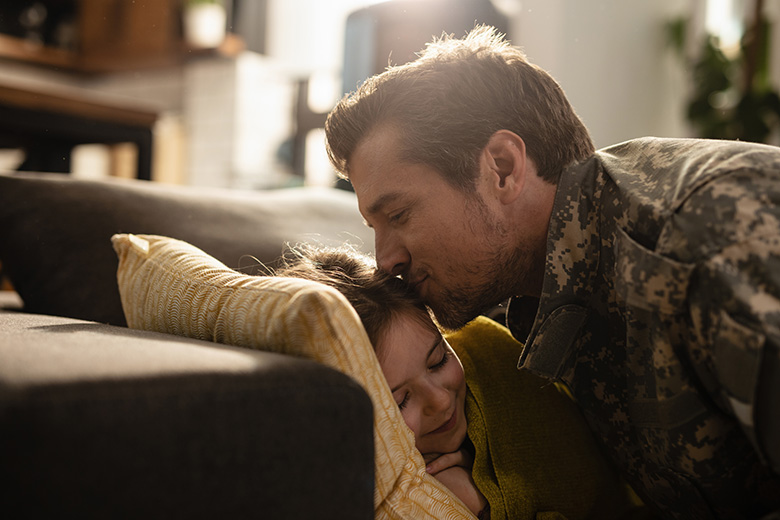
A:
(447, 104)
(377, 296)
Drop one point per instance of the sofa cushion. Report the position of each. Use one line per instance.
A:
(99, 421)
(55, 232)
(171, 286)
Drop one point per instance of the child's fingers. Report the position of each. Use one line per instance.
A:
(448, 460)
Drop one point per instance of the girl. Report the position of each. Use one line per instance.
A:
(505, 442)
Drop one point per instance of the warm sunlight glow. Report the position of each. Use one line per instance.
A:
(724, 20)
(324, 91)
(319, 172)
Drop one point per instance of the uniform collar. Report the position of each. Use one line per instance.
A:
(573, 244)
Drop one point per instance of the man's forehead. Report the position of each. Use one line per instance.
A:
(386, 134)
(379, 145)
(374, 170)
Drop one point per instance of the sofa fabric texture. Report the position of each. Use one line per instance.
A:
(55, 232)
(100, 421)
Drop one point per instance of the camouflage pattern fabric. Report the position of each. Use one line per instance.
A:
(660, 306)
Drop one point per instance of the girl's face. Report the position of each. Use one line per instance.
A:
(427, 382)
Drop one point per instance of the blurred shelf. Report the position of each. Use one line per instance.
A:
(117, 36)
(58, 102)
(50, 123)
(21, 50)
(17, 49)
(232, 46)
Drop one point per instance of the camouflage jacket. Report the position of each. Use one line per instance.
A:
(659, 311)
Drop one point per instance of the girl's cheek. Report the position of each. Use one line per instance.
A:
(409, 417)
(456, 375)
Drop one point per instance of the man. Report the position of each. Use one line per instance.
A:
(652, 267)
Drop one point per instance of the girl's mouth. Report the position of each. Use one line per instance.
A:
(450, 424)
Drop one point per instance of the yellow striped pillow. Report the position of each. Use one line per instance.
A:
(167, 285)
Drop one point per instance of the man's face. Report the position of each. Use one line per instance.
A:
(455, 249)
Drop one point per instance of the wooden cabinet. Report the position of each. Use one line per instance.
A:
(121, 34)
(116, 35)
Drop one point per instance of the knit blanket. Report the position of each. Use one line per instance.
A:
(534, 455)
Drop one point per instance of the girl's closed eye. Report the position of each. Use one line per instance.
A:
(445, 356)
(404, 401)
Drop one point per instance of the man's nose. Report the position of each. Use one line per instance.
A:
(391, 255)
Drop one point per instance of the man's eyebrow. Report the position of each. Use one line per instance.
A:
(381, 202)
(436, 343)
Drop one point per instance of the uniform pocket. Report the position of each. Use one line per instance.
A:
(647, 280)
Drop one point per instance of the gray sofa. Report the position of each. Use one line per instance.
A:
(100, 421)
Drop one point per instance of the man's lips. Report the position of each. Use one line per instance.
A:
(450, 424)
(417, 284)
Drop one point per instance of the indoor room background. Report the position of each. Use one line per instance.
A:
(244, 107)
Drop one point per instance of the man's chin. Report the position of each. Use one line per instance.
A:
(455, 308)
(451, 319)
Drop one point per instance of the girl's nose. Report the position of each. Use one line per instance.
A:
(437, 400)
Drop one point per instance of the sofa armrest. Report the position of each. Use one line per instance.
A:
(98, 421)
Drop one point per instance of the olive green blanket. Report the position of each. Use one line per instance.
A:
(534, 455)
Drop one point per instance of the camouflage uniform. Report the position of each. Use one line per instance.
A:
(660, 308)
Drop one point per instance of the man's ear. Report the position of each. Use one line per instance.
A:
(507, 164)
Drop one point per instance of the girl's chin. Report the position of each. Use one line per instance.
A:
(449, 445)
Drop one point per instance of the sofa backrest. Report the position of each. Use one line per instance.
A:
(55, 232)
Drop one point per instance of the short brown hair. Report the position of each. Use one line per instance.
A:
(449, 102)
(377, 296)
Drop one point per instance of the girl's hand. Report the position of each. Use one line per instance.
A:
(437, 462)
(454, 471)
(459, 481)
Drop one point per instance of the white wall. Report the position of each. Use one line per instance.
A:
(610, 56)
(238, 113)
(308, 35)
(611, 59)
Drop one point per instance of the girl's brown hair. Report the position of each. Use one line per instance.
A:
(377, 296)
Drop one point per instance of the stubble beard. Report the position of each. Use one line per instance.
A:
(503, 278)
(504, 272)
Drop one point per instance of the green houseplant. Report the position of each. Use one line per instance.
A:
(731, 96)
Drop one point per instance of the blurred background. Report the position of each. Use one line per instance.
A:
(234, 93)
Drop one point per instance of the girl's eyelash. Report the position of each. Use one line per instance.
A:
(444, 359)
